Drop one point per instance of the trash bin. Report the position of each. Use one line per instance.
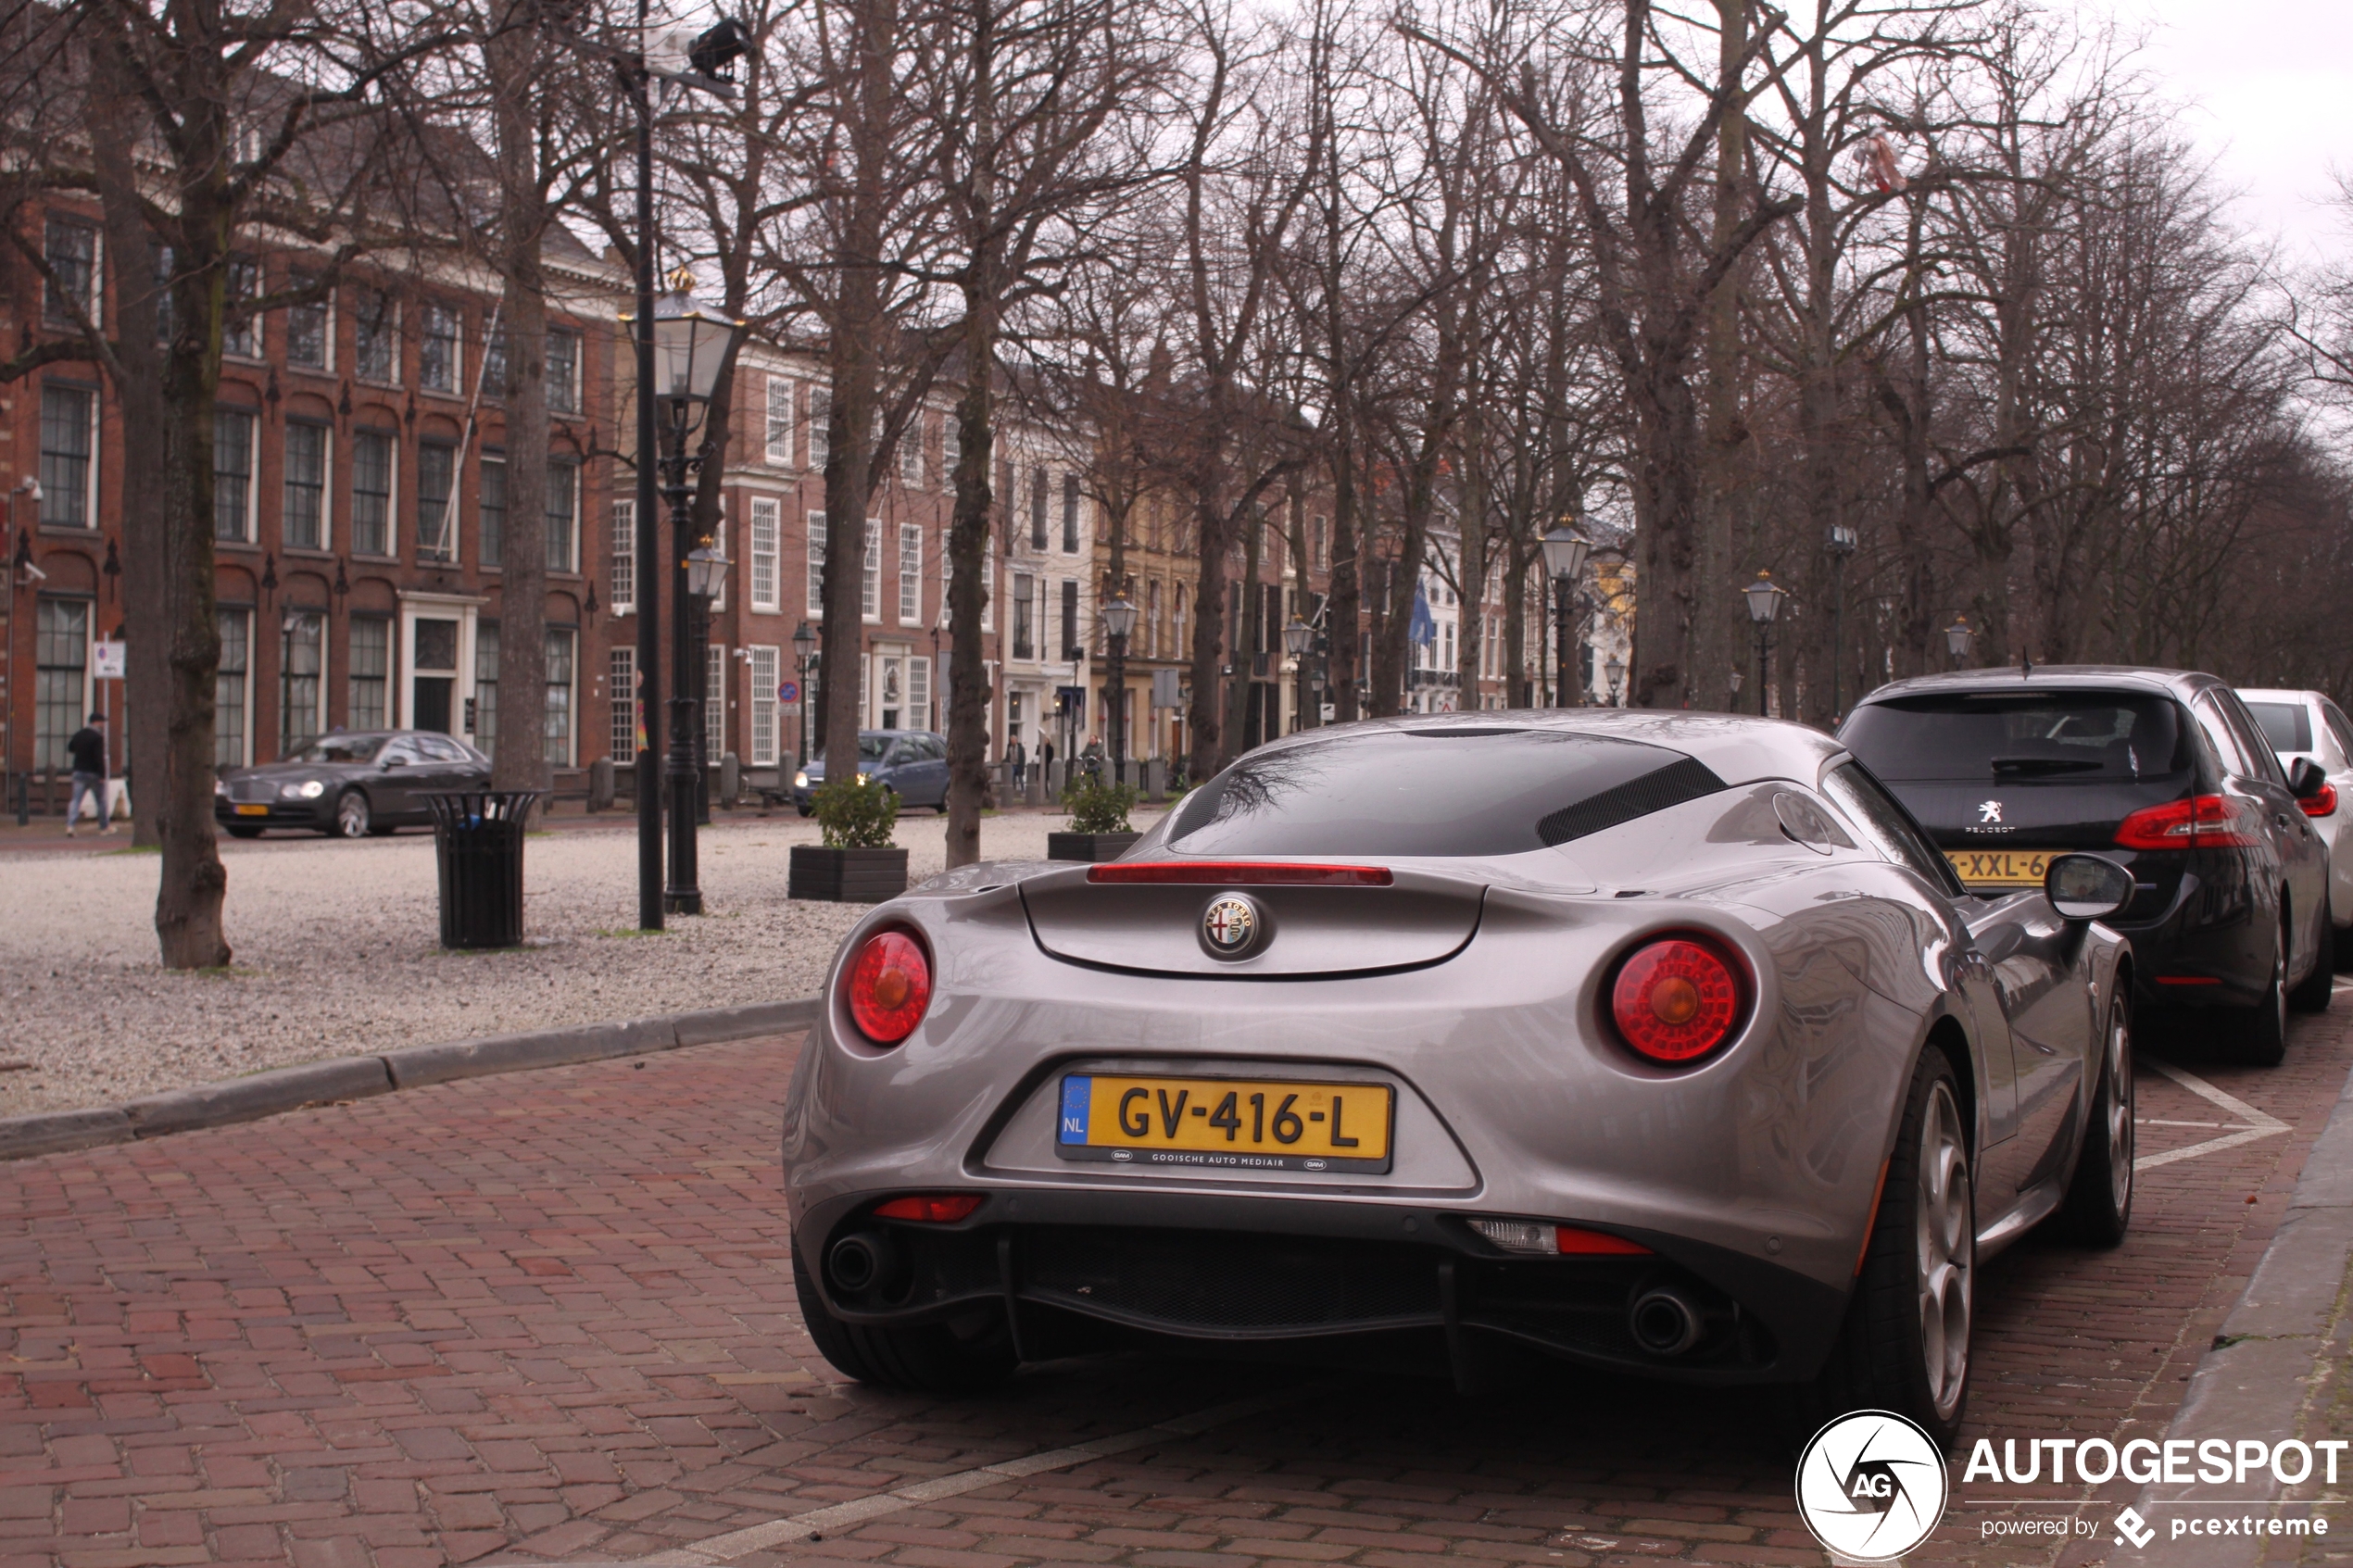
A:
(477, 838)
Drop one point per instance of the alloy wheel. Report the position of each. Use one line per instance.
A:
(2120, 1105)
(1947, 1250)
(351, 815)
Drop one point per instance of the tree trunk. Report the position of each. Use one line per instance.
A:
(194, 884)
(519, 751)
(1203, 717)
(968, 588)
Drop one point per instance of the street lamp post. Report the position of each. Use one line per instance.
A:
(804, 639)
(1614, 668)
(1958, 638)
(1765, 598)
(711, 56)
(1565, 552)
(1297, 637)
(691, 347)
(1119, 621)
(1841, 543)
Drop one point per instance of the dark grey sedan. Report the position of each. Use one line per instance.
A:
(348, 786)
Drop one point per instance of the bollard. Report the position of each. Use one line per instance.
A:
(24, 800)
(731, 779)
(600, 784)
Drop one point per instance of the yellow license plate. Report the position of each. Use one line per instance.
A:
(2002, 868)
(1242, 1124)
(253, 810)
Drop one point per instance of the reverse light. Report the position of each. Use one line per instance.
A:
(2197, 822)
(1241, 874)
(1676, 1000)
(1538, 1238)
(2321, 802)
(889, 986)
(931, 1207)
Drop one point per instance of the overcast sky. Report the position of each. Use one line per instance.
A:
(2269, 89)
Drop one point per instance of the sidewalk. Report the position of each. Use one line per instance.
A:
(2276, 1371)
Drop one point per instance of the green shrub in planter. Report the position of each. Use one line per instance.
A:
(1098, 806)
(855, 813)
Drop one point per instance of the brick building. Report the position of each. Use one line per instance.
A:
(360, 507)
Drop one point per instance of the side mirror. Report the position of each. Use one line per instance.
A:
(2306, 778)
(2087, 888)
(396, 762)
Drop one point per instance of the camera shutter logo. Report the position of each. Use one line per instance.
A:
(1871, 1485)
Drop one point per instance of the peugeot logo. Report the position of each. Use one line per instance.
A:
(1232, 925)
(1989, 811)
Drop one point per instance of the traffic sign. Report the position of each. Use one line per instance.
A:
(789, 692)
(108, 660)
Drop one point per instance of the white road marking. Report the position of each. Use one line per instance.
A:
(2153, 1122)
(2251, 1124)
(857, 1510)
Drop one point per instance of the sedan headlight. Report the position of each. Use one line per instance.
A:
(314, 789)
(801, 780)
(311, 790)
(220, 788)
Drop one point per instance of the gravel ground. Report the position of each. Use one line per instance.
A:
(337, 952)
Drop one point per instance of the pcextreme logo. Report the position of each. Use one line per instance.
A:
(1871, 1486)
(2213, 1461)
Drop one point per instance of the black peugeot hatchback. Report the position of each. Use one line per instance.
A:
(2163, 771)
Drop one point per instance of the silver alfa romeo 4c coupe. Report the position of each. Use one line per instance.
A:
(1663, 1043)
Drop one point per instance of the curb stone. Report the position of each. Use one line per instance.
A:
(2271, 1358)
(411, 1067)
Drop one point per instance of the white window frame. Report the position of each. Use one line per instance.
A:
(392, 492)
(918, 705)
(625, 557)
(764, 662)
(910, 574)
(572, 524)
(252, 528)
(714, 702)
(571, 757)
(911, 452)
(820, 427)
(780, 421)
(426, 314)
(869, 581)
(817, 539)
(391, 331)
(620, 678)
(952, 450)
(245, 690)
(326, 483)
(767, 547)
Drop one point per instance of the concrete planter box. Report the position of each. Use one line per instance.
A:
(846, 876)
(1089, 846)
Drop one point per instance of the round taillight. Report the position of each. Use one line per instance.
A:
(889, 986)
(1676, 1000)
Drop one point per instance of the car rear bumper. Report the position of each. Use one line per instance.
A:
(2201, 952)
(1075, 1271)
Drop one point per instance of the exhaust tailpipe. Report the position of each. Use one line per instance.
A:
(1664, 1320)
(860, 1261)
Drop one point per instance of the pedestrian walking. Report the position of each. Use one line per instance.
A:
(1019, 757)
(88, 751)
(1046, 756)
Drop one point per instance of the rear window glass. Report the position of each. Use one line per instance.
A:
(2012, 737)
(1433, 792)
(2287, 725)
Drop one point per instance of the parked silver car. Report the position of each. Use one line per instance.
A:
(1659, 1041)
(2308, 726)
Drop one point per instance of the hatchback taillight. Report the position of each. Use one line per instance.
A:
(889, 986)
(1677, 999)
(2321, 802)
(2197, 822)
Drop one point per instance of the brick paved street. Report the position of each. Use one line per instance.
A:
(549, 1317)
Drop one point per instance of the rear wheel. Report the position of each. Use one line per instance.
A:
(932, 1358)
(352, 817)
(245, 832)
(2262, 1032)
(2320, 986)
(2099, 1199)
(1905, 1345)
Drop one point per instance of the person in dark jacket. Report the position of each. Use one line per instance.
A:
(88, 751)
(1018, 756)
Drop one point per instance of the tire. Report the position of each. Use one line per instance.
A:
(2319, 988)
(804, 810)
(2262, 1035)
(2098, 1207)
(1905, 1345)
(932, 1357)
(244, 832)
(352, 819)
